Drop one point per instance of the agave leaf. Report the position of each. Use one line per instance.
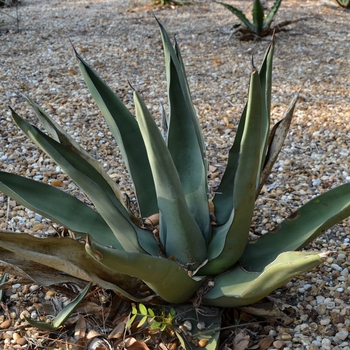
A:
(127, 135)
(184, 239)
(223, 202)
(223, 199)
(30, 272)
(265, 75)
(239, 287)
(272, 13)
(302, 227)
(164, 276)
(68, 256)
(62, 208)
(63, 315)
(92, 183)
(185, 139)
(239, 14)
(59, 135)
(230, 239)
(258, 16)
(277, 136)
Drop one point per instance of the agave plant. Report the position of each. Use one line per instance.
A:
(344, 3)
(181, 246)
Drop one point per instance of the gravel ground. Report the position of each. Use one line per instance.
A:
(121, 40)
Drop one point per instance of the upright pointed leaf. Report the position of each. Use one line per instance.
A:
(265, 75)
(185, 139)
(183, 240)
(59, 135)
(127, 135)
(302, 227)
(272, 13)
(230, 239)
(223, 200)
(258, 16)
(277, 137)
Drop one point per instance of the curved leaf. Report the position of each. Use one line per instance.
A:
(164, 276)
(127, 135)
(59, 135)
(57, 206)
(68, 256)
(272, 13)
(239, 287)
(63, 315)
(239, 14)
(302, 227)
(94, 186)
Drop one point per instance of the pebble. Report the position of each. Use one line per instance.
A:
(341, 335)
(336, 267)
(326, 344)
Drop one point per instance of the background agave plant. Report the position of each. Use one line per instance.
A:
(344, 3)
(261, 24)
(182, 245)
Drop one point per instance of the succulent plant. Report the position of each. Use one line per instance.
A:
(261, 24)
(344, 3)
(181, 245)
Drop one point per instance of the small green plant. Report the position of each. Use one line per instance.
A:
(148, 317)
(4, 3)
(181, 246)
(261, 24)
(344, 3)
(63, 315)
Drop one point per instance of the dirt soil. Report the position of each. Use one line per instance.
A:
(121, 40)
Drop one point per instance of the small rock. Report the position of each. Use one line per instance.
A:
(341, 335)
(21, 341)
(313, 347)
(326, 344)
(320, 299)
(14, 297)
(336, 267)
(278, 344)
(6, 324)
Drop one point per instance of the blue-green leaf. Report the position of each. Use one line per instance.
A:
(230, 239)
(185, 139)
(301, 228)
(91, 182)
(57, 206)
(127, 135)
(183, 238)
(239, 14)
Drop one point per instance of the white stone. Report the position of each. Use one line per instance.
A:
(326, 344)
(320, 299)
(336, 267)
(341, 335)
